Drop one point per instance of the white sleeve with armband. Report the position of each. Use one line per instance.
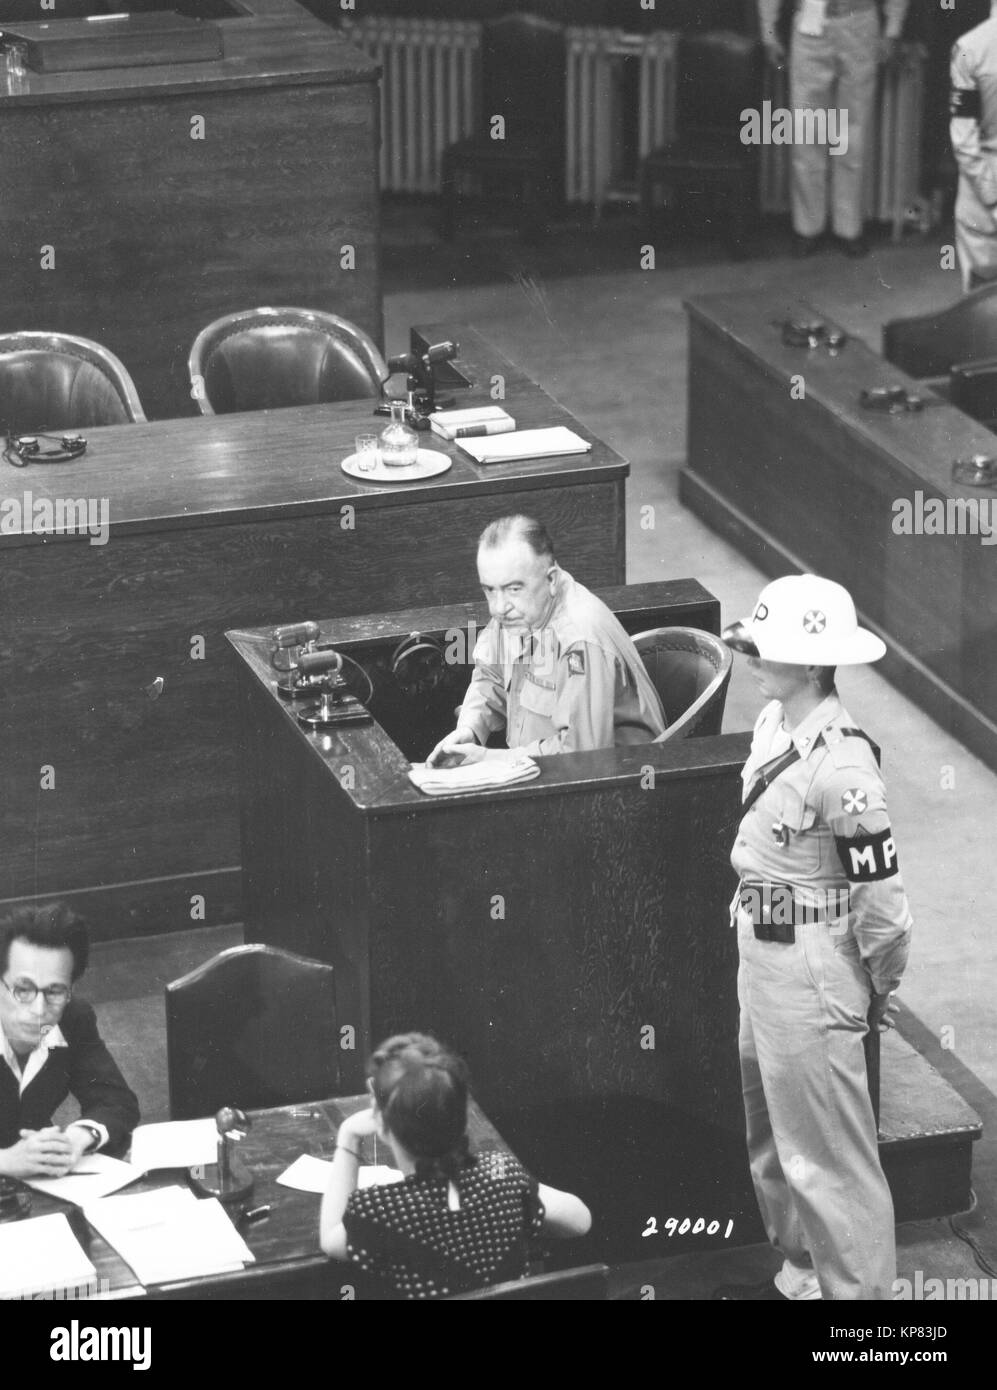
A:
(977, 164)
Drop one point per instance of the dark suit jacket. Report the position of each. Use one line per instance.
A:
(84, 1069)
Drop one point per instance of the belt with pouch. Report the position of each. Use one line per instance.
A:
(762, 902)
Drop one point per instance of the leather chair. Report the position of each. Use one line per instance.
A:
(523, 76)
(587, 1282)
(930, 344)
(707, 169)
(690, 671)
(265, 359)
(52, 381)
(253, 1027)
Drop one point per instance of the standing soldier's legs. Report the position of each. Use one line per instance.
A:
(772, 1192)
(808, 1003)
(975, 235)
(811, 85)
(856, 41)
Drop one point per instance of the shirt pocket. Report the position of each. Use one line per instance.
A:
(800, 838)
(538, 699)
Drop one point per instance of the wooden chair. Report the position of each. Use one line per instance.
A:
(52, 381)
(588, 1282)
(720, 73)
(691, 671)
(523, 75)
(930, 344)
(253, 1027)
(264, 359)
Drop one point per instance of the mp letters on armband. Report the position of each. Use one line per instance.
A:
(866, 858)
(964, 102)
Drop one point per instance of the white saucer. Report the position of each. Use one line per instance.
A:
(427, 465)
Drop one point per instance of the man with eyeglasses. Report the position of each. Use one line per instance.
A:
(50, 1048)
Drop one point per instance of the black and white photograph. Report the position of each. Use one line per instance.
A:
(498, 621)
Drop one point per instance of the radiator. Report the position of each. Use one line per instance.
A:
(592, 134)
(893, 166)
(428, 92)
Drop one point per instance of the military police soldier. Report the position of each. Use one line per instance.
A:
(554, 665)
(815, 836)
(974, 142)
(835, 52)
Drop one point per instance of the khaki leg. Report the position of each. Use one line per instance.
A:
(856, 41)
(811, 86)
(807, 1004)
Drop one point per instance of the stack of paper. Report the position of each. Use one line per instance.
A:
(94, 1176)
(526, 444)
(474, 777)
(174, 1144)
(41, 1255)
(168, 1234)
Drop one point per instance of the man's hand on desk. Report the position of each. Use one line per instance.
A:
(44, 1153)
(456, 749)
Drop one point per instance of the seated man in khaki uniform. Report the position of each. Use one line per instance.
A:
(554, 665)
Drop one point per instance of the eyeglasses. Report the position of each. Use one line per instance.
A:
(26, 993)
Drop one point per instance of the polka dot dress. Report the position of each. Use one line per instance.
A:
(405, 1234)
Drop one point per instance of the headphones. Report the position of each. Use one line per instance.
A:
(22, 449)
(417, 664)
(811, 333)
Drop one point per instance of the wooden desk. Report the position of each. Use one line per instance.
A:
(570, 935)
(289, 1263)
(812, 484)
(155, 232)
(235, 520)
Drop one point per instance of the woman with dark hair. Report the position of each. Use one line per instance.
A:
(456, 1221)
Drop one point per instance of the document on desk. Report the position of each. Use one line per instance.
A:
(310, 1174)
(525, 444)
(489, 775)
(168, 1234)
(41, 1255)
(96, 1175)
(174, 1144)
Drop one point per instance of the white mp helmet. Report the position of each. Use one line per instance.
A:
(803, 620)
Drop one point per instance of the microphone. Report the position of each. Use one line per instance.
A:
(295, 634)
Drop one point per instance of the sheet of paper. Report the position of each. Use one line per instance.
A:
(308, 1174)
(168, 1234)
(96, 1175)
(174, 1144)
(41, 1255)
(525, 444)
(474, 777)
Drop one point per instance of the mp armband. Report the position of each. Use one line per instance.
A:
(964, 102)
(867, 858)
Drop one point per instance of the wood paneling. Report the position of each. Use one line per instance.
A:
(156, 233)
(542, 930)
(813, 483)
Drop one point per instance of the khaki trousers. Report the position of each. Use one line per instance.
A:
(836, 71)
(811, 1133)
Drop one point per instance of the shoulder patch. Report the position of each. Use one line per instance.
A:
(576, 663)
(854, 801)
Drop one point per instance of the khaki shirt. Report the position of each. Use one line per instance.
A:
(974, 137)
(823, 827)
(574, 684)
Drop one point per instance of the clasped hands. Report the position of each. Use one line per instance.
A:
(45, 1153)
